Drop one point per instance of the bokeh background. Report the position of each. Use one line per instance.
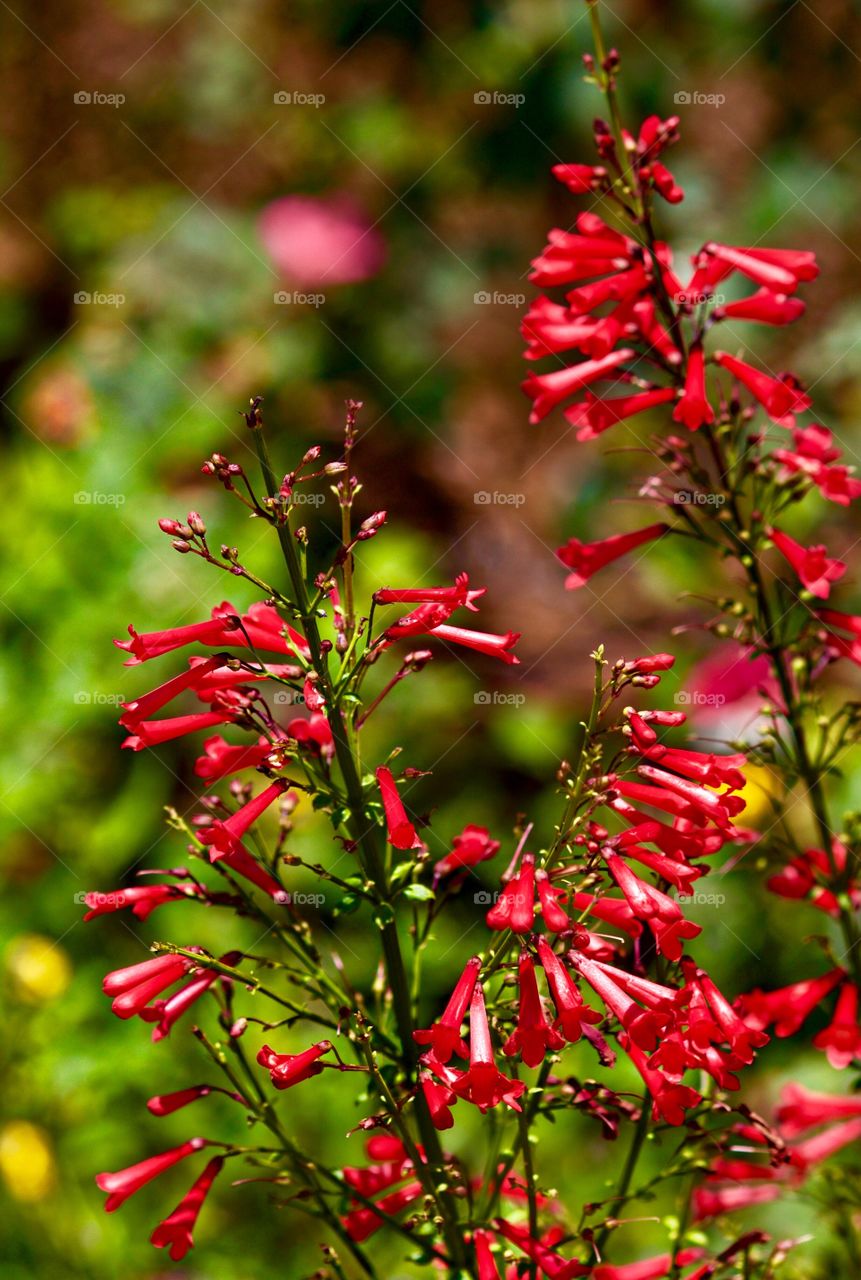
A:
(139, 309)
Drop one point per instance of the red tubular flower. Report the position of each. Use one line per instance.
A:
(220, 758)
(763, 307)
(472, 846)
(694, 409)
(665, 183)
(486, 1268)
(585, 558)
(649, 1268)
(418, 623)
(287, 1069)
(152, 733)
(824, 1145)
(787, 1007)
(134, 987)
(841, 1039)
(313, 734)
(515, 908)
(143, 899)
(661, 913)
(224, 837)
(175, 1231)
(401, 832)
(483, 1083)
(642, 1025)
(547, 390)
(815, 570)
(143, 707)
(439, 1099)
(164, 1104)
(670, 1100)
(742, 1038)
(551, 913)
(458, 596)
(781, 398)
(551, 1263)
(571, 1012)
(125, 1182)
(580, 179)
(801, 1109)
(592, 416)
(533, 1035)
(262, 623)
(164, 1013)
(708, 1202)
(492, 646)
(361, 1223)
(592, 250)
(444, 1036)
(549, 328)
(770, 274)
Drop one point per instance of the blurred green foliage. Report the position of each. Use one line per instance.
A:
(109, 410)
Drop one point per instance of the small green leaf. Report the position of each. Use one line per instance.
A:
(420, 892)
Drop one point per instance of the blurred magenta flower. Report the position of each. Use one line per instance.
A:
(321, 240)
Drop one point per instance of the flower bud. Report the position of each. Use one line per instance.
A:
(196, 523)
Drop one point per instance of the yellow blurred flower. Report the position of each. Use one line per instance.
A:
(761, 788)
(26, 1161)
(39, 969)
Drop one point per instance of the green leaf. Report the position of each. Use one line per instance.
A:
(420, 892)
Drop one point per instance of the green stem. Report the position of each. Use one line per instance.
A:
(366, 838)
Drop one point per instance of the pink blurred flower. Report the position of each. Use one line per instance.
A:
(321, 240)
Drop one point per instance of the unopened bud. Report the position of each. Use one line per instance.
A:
(182, 547)
(171, 527)
(196, 523)
(372, 525)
